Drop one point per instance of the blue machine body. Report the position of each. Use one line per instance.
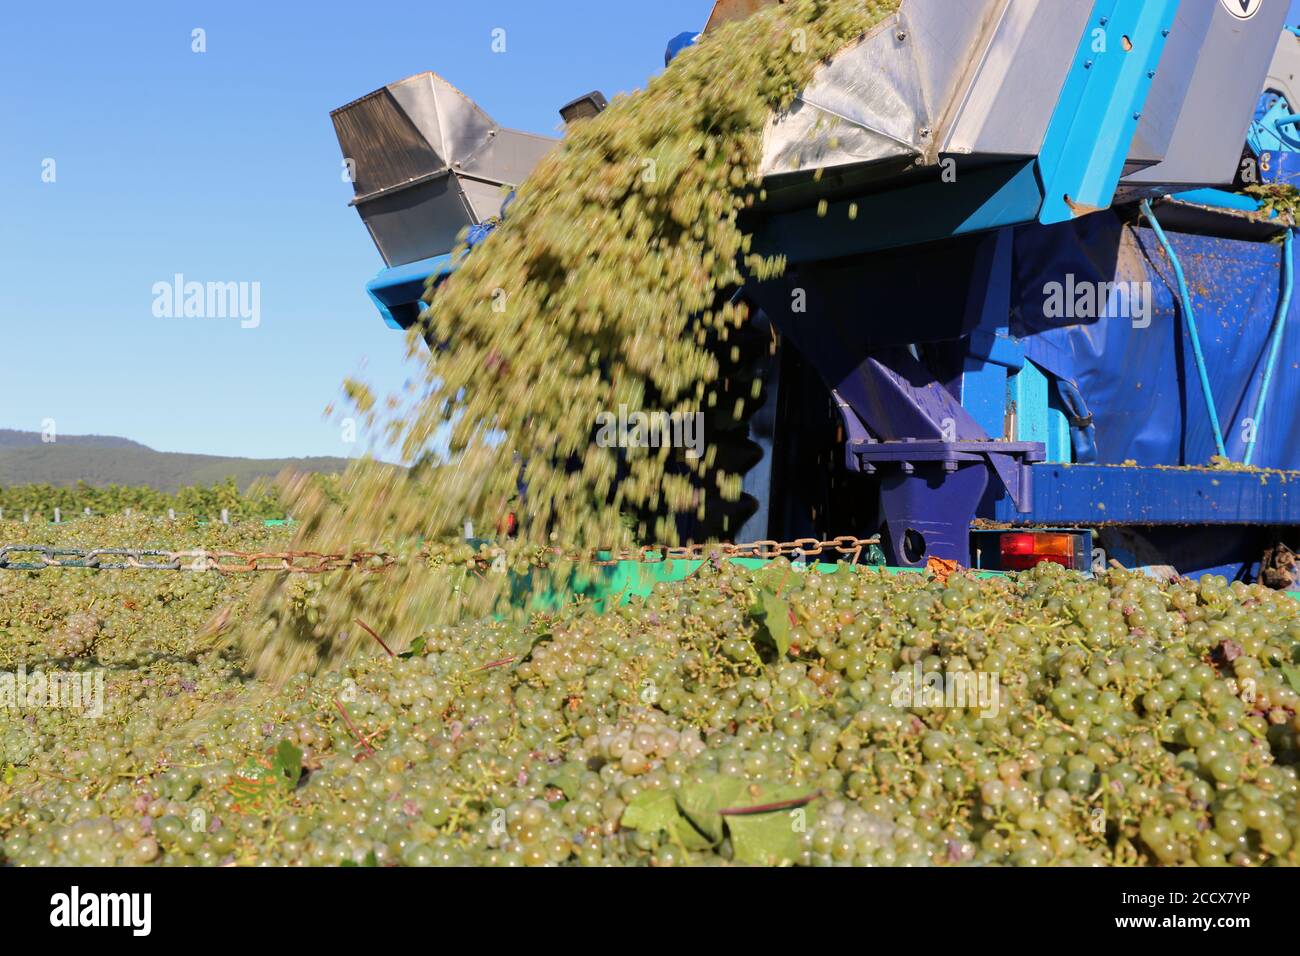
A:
(1096, 117)
(1023, 343)
(1002, 408)
(1086, 408)
(1274, 138)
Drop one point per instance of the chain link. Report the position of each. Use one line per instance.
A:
(801, 549)
(845, 546)
(39, 557)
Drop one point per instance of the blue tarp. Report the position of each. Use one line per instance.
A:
(1140, 383)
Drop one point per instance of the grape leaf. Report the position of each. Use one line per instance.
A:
(702, 802)
(771, 578)
(1292, 675)
(773, 613)
(650, 810)
(287, 765)
(568, 779)
(765, 839)
(692, 839)
(654, 811)
(417, 647)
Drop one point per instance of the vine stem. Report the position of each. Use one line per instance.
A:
(369, 630)
(353, 727)
(770, 807)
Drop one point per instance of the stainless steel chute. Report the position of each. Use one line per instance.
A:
(427, 162)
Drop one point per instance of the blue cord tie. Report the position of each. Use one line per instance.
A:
(1190, 320)
(1275, 341)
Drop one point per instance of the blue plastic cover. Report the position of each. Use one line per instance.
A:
(397, 292)
(679, 43)
(1135, 373)
(478, 233)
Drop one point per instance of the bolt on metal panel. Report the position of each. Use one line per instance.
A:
(1205, 147)
(959, 76)
(1284, 73)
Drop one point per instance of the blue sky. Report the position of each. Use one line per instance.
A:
(223, 166)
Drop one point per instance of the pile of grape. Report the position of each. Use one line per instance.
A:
(61, 616)
(610, 284)
(737, 717)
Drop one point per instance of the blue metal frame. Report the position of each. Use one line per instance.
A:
(1114, 494)
(991, 363)
(933, 489)
(1279, 167)
(982, 199)
(401, 287)
(1028, 390)
(1275, 144)
(1268, 133)
(1096, 118)
(993, 356)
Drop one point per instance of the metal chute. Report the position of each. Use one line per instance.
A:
(427, 162)
(991, 81)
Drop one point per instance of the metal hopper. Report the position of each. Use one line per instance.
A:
(427, 162)
(1099, 95)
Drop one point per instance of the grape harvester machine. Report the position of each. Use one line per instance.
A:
(1031, 312)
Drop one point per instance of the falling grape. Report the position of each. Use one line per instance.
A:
(609, 284)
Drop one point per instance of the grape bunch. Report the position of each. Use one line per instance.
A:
(77, 636)
(637, 748)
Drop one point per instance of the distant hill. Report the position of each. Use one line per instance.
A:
(9, 438)
(101, 460)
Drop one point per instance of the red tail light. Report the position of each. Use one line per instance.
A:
(1022, 550)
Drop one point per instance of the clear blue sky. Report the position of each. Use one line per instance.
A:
(223, 166)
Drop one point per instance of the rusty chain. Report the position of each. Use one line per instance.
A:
(800, 550)
(845, 546)
(37, 557)
(42, 557)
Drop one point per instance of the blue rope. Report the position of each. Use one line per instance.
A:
(1275, 343)
(1190, 319)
